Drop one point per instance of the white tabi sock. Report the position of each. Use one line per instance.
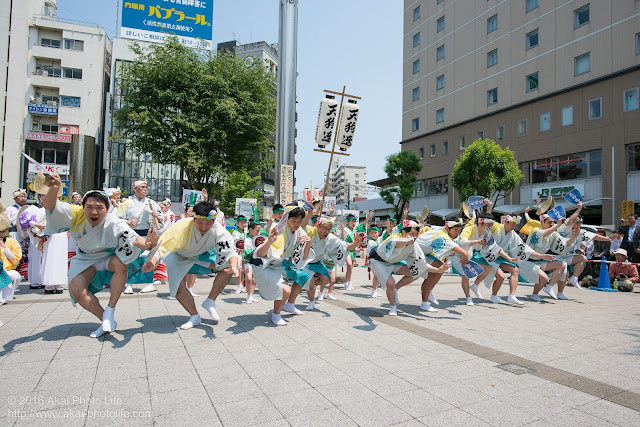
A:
(432, 299)
(108, 323)
(395, 295)
(98, 333)
(549, 289)
(426, 306)
(210, 306)
(193, 321)
(513, 300)
(311, 306)
(291, 308)
(494, 298)
(469, 301)
(278, 320)
(393, 311)
(475, 290)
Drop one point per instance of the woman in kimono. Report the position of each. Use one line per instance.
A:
(10, 256)
(324, 243)
(105, 243)
(31, 221)
(283, 255)
(196, 246)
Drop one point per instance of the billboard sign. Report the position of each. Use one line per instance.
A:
(50, 137)
(154, 20)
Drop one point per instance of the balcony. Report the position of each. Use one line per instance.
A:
(46, 78)
(46, 51)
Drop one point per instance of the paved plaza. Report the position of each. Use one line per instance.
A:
(573, 362)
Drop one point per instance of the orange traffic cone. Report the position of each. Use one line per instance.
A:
(366, 261)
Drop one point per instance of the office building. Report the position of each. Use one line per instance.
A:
(347, 183)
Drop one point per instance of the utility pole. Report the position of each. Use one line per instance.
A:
(286, 100)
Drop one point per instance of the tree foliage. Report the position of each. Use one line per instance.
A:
(402, 168)
(238, 185)
(487, 170)
(209, 114)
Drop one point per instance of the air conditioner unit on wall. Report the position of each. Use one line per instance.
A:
(52, 103)
(35, 123)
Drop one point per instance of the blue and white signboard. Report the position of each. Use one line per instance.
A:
(155, 20)
(47, 110)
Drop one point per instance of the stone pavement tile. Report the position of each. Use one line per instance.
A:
(289, 381)
(129, 369)
(191, 397)
(300, 402)
(419, 403)
(612, 413)
(193, 418)
(345, 392)
(324, 347)
(77, 364)
(498, 413)
(534, 403)
(374, 412)
(68, 416)
(242, 413)
(121, 388)
(386, 384)
(121, 411)
(323, 376)
(396, 364)
(304, 362)
(577, 418)
(361, 369)
(340, 357)
(455, 393)
(453, 417)
(241, 390)
(563, 394)
(160, 352)
(66, 351)
(212, 374)
(491, 385)
(423, 377)
(525, 381)
(220, 360)
(325, 417)
(466, 369)
(179, 379)
(19, 357)
(259, 368)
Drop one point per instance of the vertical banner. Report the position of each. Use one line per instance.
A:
(286, 184)
(627, 209)
(191, 197)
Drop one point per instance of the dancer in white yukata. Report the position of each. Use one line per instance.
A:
(197, 245)
(10, 256)
(142, 214)
(105, 243)
(283, 255)
(31, 221)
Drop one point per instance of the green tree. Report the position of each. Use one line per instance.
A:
(238, 185)
(487, 170)
(402, 169)
(209, 114)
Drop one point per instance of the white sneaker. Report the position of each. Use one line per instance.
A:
(536, 297)
(475, 290)
(513, 300)
(574, 281)
(311, 306)
(561, 296)
(149, 288)
(494, 298)
(193, 294)
(330, 297)
(427, 307)
(549, 289)
(432, 299)
(128, 289)
(393, 311)
(470, 301)
(291, 308)
(320, 296)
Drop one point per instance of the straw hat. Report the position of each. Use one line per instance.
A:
(5, 223)
(40, 188)
(546, 206)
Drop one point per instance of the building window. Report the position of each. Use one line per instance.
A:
(70, 101)
(432, 150)
(500, 133)
(421, 153)
(461, 143)
(638, 44)
(74, 44)
(480, 135)
(582, 64)
(492, 24)
(492, 96)
(445, 147)
(357, 175)
(523, 127)
(492, 58)
(415, 124)
(416, 40)
(562, 168)
(440, 82)
(532, 39)
(416, 66)
(50, 43)
(436, 186)
(440, 53)
(567, 116)
(46, 99)
(595, 163)
(72, 73)
(440, 115)
(581, 16)
(49, 129)
(357, 182)
(439, 1)
(416, 13)
(530, 5)
(545, 122)
(440, 24)
(532, 82)
(633, 157)
(416, 93)
(631, 99)
(595, 109)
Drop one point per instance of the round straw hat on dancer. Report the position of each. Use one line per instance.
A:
(40, 187)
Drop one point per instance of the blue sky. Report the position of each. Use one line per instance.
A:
(355, 43)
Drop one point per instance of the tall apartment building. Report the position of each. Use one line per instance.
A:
(52, 96)
(347, 183)
(556, 82)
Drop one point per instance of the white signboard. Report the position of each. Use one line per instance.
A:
(50, 168)
(347, 125)
(244, 207)
(326, 121)
(543, 191)
(191, 197)
(329, 202)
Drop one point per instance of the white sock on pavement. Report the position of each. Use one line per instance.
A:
(291, 308)
(108, 323)
(475, 290)
(210, 306)
(278, 320)
(427, 307)
(193, 321)
(393, 311)
(513, 300)
(469, 301)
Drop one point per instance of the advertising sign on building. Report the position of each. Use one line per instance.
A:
(51, 137)
(155, 20)
(49, 168)
(286, 184)
(557, 191)
(69, 129)
(44, 109)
